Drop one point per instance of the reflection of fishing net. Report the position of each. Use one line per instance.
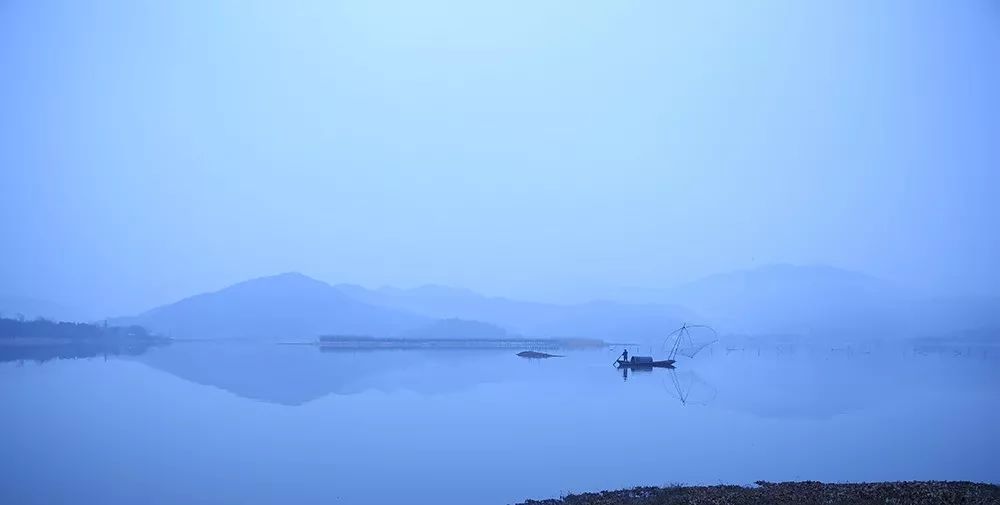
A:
(689, 340)
(689, 388)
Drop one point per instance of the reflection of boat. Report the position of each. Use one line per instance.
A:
(643, 362)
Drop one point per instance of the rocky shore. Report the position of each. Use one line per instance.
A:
(931, 492)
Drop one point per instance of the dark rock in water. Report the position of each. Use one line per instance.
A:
(537, 355)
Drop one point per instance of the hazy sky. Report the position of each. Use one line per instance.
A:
(541, 149)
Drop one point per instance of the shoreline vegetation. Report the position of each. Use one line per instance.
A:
(356, 342)
(41, 340)
(809, 492)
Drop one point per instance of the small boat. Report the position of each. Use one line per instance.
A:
(643, 362)
(680, 336)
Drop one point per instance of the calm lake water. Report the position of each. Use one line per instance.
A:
(268, 424)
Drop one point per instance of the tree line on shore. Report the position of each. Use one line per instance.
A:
(42, 340)
(44, 328)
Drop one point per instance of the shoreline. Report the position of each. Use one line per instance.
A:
(335, 343)
(922, 492)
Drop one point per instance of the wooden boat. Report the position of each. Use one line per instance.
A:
(680, 335)
(644, 362)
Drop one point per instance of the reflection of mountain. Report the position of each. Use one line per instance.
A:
(795, 387)
(812, 383)
(297, 374)
(809, 383)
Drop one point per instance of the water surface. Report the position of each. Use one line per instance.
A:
(267, 424)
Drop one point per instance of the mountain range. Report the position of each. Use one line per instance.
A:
(822, 301)
(808, 301)
(285, 306)
(294, 306)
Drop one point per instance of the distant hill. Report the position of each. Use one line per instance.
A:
(286, 306)
(812, 301)
(32, 308)
(605, 320)
(458, 329)
(790, 299)
(293, 306)
(826, 301)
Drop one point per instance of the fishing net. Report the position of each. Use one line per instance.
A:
(689, 340)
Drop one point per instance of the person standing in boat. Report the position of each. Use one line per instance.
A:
(625, 355)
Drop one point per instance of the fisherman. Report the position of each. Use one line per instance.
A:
(625, 355)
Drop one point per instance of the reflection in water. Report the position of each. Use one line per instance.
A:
(642, 367)
(289, 424)
(298, 374)
(74, 350)
(689, 388)
(684, 385)
(41, 340)
(801, 384)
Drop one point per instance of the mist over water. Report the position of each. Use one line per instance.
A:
(266, 252)
(548, 151)
(211, 423)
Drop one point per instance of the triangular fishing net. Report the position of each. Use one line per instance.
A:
(689, 340)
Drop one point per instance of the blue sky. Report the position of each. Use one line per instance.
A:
(545, 149)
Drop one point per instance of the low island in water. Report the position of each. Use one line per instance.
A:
(362, 342)
(43, 340)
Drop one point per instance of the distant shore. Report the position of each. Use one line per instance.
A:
(928, 492)
(347, 342)
(42, 340)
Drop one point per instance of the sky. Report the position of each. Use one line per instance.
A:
(548, 150)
